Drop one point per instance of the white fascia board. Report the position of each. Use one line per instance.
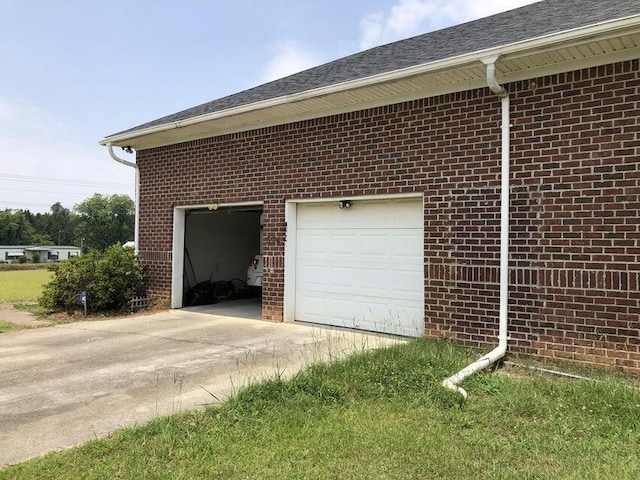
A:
(525, 47)
(257, 203)
(358, 198)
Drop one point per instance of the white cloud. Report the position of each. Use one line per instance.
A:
(287, 58)
(372, 30)
(412, 17)
(34, 143)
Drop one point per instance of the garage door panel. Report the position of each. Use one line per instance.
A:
(318, 243)
(313, 244)
(405, 213)
(390, 284)
(373, 244)
(320, 307)
(343, 244)
(408, 245)
(403, 245)
(363, 281)
(313, 276)
(400, 320)
(342, 308)
(366, 314)
(315, 310)
(343, 277)
(403, 282)
(361, 267)
(374, 281)
(401, 213)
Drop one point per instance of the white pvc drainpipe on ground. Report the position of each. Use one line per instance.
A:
(498, 352)
(137, 199)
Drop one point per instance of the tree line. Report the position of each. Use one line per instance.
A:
(94, 224)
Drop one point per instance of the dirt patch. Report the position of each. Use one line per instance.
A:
(78, 315)
(9, 314)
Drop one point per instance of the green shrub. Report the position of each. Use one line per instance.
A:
(110, 278)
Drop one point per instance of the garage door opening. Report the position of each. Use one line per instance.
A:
(222, 265)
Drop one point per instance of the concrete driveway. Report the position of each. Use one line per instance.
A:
(61, 386)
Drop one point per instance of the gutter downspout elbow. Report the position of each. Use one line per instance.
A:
(497, 353)
(133, 165)
(492, 82)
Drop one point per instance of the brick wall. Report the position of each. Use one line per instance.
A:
(575, 218)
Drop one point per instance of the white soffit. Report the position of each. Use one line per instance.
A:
(585, 48)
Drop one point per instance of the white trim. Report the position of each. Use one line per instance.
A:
(256, 203)
(383, 196)
(177, 264)
(290, 247)
(177, 247)
(570, 66)
(522, 48)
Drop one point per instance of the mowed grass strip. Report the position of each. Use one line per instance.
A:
(8, 326)
(379, 415)
(22, 285)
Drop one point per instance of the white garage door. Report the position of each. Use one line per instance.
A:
(361, 267)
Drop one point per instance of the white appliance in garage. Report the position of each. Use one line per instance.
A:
(254, 272)
(359, 264)
(256, 264)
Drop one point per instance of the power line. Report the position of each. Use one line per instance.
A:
(59, 181)
(25, 204)
(56, 192)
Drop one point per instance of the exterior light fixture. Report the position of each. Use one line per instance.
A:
(344, 204)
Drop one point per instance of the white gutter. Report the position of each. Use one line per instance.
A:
(133, 165)
(498, 352)
(514, 49)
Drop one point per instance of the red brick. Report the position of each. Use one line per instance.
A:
(575, 256)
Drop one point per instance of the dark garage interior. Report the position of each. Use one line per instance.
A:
(219, 245)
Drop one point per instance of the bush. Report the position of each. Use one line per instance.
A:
(22, 266)
(110, 278)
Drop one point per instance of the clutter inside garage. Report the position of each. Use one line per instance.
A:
(222, 258)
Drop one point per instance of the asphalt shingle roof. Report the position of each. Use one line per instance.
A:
(531, 21)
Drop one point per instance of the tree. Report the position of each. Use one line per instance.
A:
(62, 225)
(15, 228)
(55, 228)
(104, 220)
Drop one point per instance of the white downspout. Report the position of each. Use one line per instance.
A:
(136, 233)
(498, 352)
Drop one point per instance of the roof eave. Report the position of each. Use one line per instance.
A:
(143, 138)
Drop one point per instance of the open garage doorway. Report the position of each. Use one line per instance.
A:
(219, 245)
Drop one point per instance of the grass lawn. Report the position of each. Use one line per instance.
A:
(22, 285)
(8, 326)
(380, 414)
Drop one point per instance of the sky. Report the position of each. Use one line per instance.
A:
(75, 71)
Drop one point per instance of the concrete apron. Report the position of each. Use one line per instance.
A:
(64, 385)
